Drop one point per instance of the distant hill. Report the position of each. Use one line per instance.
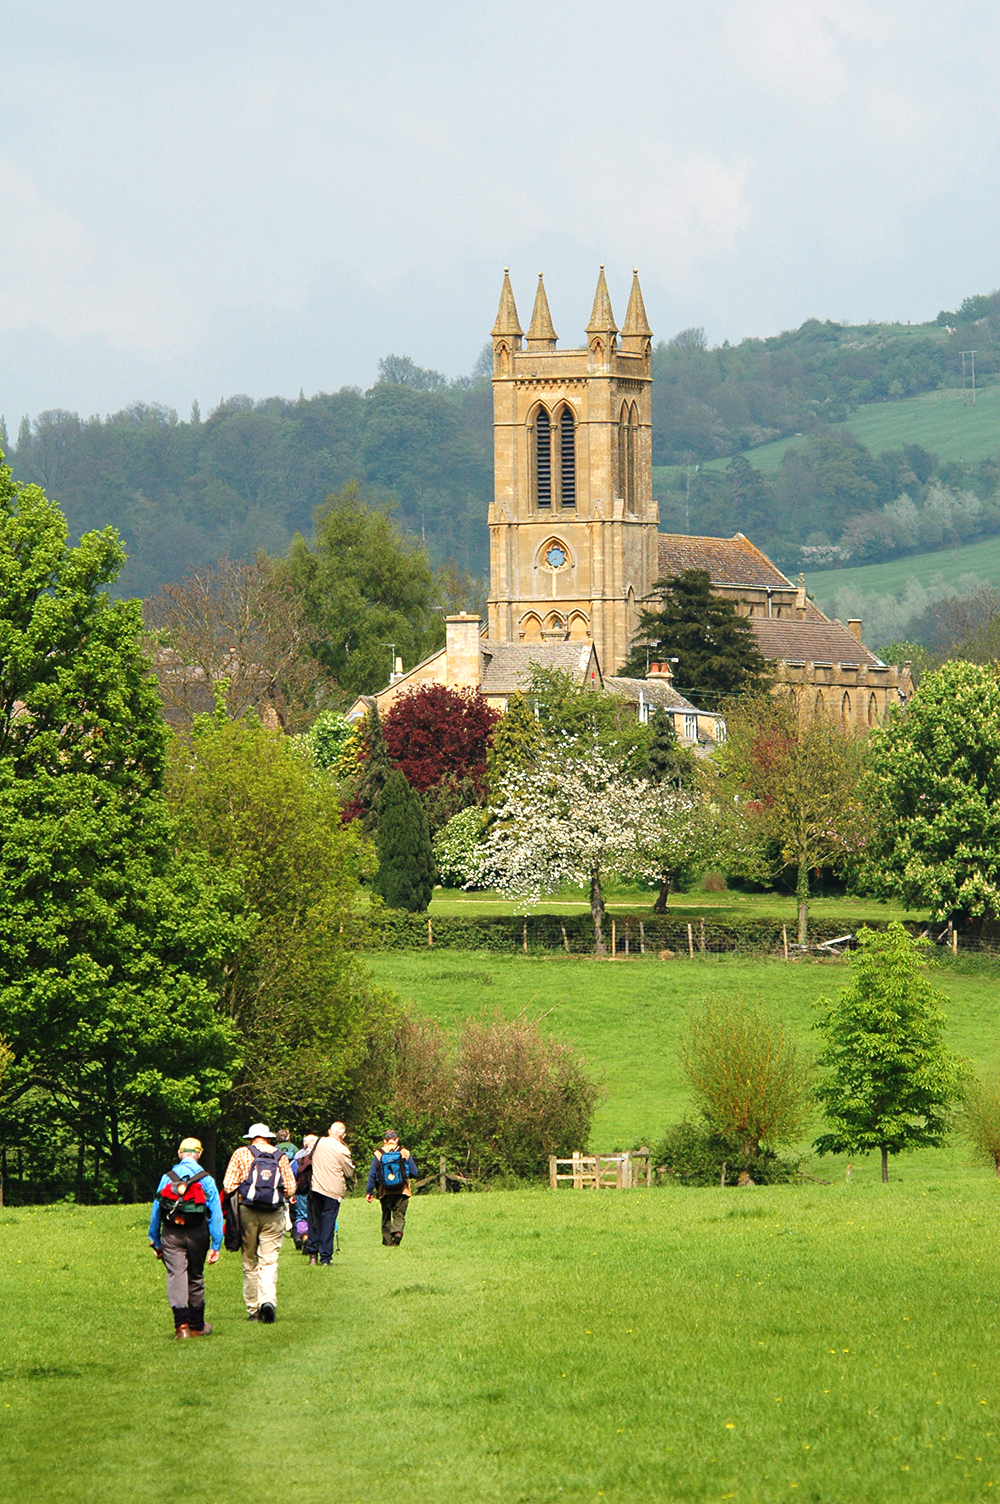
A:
(830, 443)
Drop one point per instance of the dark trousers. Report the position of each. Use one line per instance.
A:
(185, 1250)
(322, 1225)
(393, 1217)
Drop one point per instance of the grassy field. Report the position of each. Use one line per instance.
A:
(721, 907)
(832, 1344)
(939, 421)
(949, 566)
(626, 1017)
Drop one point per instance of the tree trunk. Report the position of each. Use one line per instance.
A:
(885, 1165)
(802, 898)
(210, 1144)
(597, 910)
(660, 906)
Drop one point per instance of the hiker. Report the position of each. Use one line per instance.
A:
(264, 1180)
(331, 1167)
(303, 1180)
(185, 1228)
(283, 1145)
(389, 1179)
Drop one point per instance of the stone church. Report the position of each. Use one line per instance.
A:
(575, 545)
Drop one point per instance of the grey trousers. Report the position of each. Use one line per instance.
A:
(184, 1252)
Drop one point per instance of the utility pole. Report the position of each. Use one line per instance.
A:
(972, 362)
(687, 502)
(392, 662)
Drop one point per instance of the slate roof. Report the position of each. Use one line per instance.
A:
(729, 561)
(507, 665)
(809, 641)
(654, 691)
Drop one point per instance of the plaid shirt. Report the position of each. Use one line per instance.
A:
(239, 1168)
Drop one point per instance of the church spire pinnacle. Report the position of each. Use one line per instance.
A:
(636, 333)
(602, 320)
(507, 325)
(541, 334)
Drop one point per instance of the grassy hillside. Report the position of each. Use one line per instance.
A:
(871, 590)
(938, 421)
(626, 1017)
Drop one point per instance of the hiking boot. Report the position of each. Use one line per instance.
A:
(313, 1259)
(201, 1331)
(266, 1314)
(253, 1315)
(181, 1331)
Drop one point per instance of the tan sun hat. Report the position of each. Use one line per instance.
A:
(190, 1146)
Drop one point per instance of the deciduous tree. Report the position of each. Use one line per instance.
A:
(888, 1078)
(435, 733)
(933, 789)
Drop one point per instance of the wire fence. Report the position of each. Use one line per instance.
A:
(664, 937)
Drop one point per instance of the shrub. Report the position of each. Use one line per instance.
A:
(746, 1074)
(982, 1119)
(455, 847)
(695, 1154)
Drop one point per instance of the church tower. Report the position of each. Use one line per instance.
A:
(573, 525)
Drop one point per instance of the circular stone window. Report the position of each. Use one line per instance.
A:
(555, 558)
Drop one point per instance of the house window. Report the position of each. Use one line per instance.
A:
(543, 459)
(567, 458)
(690, 728)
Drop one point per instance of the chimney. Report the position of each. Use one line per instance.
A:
(854, 627)
(663, 672)
(800, 598)
(462, 651)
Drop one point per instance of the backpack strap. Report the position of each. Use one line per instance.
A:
(179, 1180)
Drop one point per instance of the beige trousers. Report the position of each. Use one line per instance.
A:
(262, 1237)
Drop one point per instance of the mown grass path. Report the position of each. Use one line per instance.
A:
(837, 1345)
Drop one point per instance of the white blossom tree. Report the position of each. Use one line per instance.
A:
(573, 816)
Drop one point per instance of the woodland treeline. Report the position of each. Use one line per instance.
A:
(248, 476)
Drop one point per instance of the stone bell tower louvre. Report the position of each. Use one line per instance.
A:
(573, 524)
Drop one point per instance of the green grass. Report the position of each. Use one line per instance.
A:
(626, 1018)
(939, 421)
(819, 1343)
(720, 907)
(949, 566)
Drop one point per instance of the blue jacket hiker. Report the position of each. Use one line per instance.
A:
(392, 1169)
(185, 1229)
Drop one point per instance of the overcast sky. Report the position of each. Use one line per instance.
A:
(204, 199)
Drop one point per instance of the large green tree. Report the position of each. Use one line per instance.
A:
(716, 652)
(113, 944)
(368, 592)
(933, 789)
(295, 993)
(888, 1078)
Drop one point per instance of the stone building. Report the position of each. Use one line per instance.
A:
(573, 524)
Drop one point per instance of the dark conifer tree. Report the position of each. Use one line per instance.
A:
(375, 769)
(666, 760)
(716, 652)
(405, 877)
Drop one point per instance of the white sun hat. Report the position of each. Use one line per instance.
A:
(259, 1130)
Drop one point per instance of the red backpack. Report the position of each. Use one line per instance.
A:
(183, 1199)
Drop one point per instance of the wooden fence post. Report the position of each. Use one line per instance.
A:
(784, 939)
(430, 932)
(524, 938)
(565, 937)
(954, 941)
(701, 935)
(690, 942)
(553, 1182)
(577, 1171)
(642, 938)
(614, 940)
(626, 937)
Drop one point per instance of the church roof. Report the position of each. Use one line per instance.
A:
(654, 692)
(729, 561)
(507, 665)
(821, 641)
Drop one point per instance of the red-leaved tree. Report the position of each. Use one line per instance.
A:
(438, 735)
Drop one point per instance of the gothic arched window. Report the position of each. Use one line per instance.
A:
(845, 710)
(567, 458)
(543, 458)
(872, 710)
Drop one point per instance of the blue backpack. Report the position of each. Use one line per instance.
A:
(263, 1190)
(393, 1169)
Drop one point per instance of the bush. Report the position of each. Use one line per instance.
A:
(455, 847)
(981, 1119)
(746, 1074)
(695, 1154)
